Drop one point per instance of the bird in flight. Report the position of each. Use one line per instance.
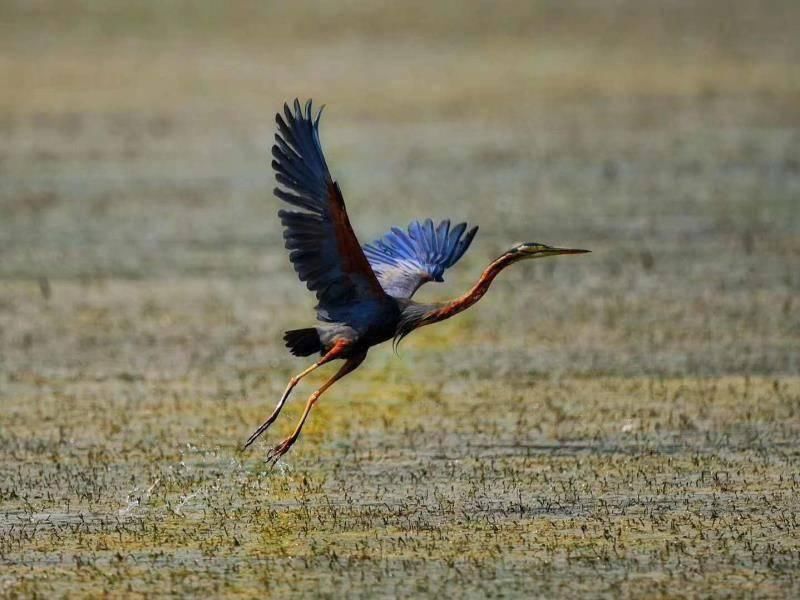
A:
(364, 292)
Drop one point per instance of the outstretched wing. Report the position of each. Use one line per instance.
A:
(403, 261)
(321, 243)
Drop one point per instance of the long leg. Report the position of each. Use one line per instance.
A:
(332, 354)
(348, 367)
(292, 382)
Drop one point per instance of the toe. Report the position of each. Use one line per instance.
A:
(274, 455)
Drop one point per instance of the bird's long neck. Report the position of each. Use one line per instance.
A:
(415, 315)
(462, 303)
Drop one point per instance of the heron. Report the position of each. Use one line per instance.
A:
(364, 293)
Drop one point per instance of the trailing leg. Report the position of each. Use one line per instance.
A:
(348, 367)
(331, 355)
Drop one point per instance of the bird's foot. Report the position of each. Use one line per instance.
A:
(257, 433)
(275, 454)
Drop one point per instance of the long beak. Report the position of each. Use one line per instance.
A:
(556, 251)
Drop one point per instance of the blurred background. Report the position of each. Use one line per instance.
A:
(138, 229)
(623, 422)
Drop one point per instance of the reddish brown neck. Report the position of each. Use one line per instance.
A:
(462, 303)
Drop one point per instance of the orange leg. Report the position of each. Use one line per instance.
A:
(329, 356)
(348, 367)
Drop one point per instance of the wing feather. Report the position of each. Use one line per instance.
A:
(322, 246)
(405, 260)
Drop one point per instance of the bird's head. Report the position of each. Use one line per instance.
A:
(536, 250)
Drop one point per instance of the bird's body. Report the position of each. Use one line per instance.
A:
(364, 293)
(371, 325)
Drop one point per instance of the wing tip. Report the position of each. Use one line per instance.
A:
(293, 109)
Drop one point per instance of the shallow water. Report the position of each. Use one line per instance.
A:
(623, 423)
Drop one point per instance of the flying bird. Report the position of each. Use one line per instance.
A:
(365, 292)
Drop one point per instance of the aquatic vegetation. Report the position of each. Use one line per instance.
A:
(633, 431)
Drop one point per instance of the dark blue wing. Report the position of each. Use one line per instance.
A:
(403, 261)
(321, 243)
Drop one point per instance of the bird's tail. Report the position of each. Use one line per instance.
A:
(303, 342)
